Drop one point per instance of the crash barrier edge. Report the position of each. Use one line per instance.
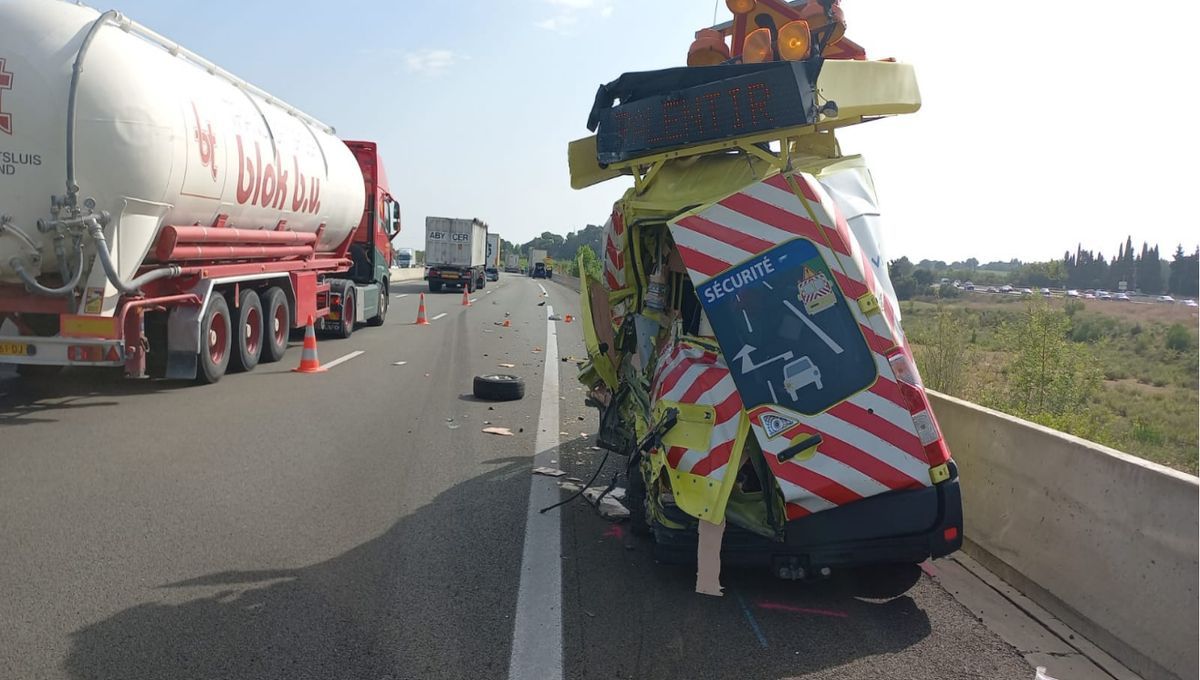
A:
(1103, 540)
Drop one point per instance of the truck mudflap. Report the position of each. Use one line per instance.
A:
(809, 337)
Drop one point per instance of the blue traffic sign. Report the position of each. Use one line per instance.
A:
(786, 330)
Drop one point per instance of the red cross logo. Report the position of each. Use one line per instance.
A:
(6, 81)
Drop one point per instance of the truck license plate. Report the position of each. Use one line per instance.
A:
(334, 316)
(450, 275)
(15, 349)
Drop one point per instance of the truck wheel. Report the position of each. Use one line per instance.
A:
(384, 299)
(277, 322)
(499, 387)
(216, 340)
(435, 286)
(346, 324)
(248, 333)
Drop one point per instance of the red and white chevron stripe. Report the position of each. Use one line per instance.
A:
(614, 251)
(689, 374)
(869, 442)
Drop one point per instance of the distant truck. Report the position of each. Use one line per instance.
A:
(406, 258)
(512, 263)
(455, 253)
(538, 264)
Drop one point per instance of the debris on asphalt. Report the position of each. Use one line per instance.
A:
(548, 471)
(502, 431)
(610, 506)
(399, 363)
(537, 350)
(542, 303)
(451, 424)
(507, 365)
(564, 434)
(554, 317)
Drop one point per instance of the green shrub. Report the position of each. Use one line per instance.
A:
(1178, 338)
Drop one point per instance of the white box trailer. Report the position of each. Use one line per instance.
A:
(493, 251)
(455, 252)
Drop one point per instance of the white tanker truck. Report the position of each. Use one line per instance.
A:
(158, 213)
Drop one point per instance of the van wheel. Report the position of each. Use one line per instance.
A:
(216, 336)
(247, 333)
(277, 322)
(635, 495)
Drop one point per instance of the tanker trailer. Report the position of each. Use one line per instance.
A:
(159, 213)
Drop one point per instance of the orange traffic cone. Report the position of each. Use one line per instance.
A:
(466, 299)
(421, 320)
(569, 318)
(309, 363)
(507, 323)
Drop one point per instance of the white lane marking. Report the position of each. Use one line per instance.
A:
(543, 288)
(537, 625)
(474, 299)
(439, 316)
(403, 295)
(342, 360)
(489, 292)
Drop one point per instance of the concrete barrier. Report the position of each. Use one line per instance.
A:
(407, 274)
(1104, 540)
(567, 281)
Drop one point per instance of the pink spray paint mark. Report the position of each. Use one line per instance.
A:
(927, 567)
(614, 531)
(780, 606)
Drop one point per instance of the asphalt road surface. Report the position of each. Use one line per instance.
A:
(359, 524)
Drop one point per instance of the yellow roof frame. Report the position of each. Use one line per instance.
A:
(863, 90)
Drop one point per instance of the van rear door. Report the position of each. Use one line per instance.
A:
(811, 337)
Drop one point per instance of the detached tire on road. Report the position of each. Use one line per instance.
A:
(499, 387)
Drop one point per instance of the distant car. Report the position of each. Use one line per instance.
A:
(1122, 297)
(539, 271)
(1045, 292)
(1103, 295)
(1026, 291)
(1072, 293)
(969, 286)
(1190, 303)
(1006, 288)
(491, 274)
(944, 281)
(1089, 296)
(798, 374)
(993, 289)
(1167, 299)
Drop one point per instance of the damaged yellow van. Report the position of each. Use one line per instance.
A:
(745, 346)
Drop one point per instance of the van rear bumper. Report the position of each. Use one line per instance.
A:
(893, 528)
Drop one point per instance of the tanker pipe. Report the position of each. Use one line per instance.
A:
(76, 70)
(131, 287)
(62, 291)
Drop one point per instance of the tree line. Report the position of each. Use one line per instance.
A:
(1145, 272)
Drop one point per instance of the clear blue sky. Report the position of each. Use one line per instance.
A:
(1038, 130)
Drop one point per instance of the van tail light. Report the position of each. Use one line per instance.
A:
(909, 382)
